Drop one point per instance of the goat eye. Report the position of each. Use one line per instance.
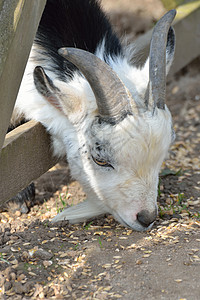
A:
(102, 163)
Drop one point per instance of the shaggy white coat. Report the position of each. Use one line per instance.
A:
(136, 147)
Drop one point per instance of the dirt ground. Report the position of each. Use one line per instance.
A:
(101, 259)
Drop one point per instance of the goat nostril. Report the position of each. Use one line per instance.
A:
(145, 218)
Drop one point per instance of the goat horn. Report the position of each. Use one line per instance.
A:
(112, 97)
(157, 61)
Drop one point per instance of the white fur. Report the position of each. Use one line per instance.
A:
(136, 147)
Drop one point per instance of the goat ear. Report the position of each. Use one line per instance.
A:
(170, 48)
(46, 88)
(62, 98)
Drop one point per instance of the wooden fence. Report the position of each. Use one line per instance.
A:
(25, 153)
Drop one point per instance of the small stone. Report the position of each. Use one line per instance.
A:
(7, 272)
(7, 285)
(42, 254)
(47, 263)
(18, 288)
(21, 277)
(169, 201)
(25, 256)
(18, 213)
(169, 212)
(14, 262)
(12, 276)
(28, 286)
(2, 280)
(5, 249)
(168, 259)
(197, 97)
(175, 89)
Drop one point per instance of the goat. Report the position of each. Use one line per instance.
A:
(107, 116)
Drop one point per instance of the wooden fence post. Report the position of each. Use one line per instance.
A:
(19, 20)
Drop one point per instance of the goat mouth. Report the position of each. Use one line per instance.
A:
(121, 220)
(136, 226)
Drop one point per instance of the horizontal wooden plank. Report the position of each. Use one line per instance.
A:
(187, 29)
(25, 156)
(186, 25)
(19, 20)
(169, 4)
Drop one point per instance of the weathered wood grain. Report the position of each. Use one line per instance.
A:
(19, 20)
(25, 156)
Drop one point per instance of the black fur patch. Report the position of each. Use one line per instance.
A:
(74, 23)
